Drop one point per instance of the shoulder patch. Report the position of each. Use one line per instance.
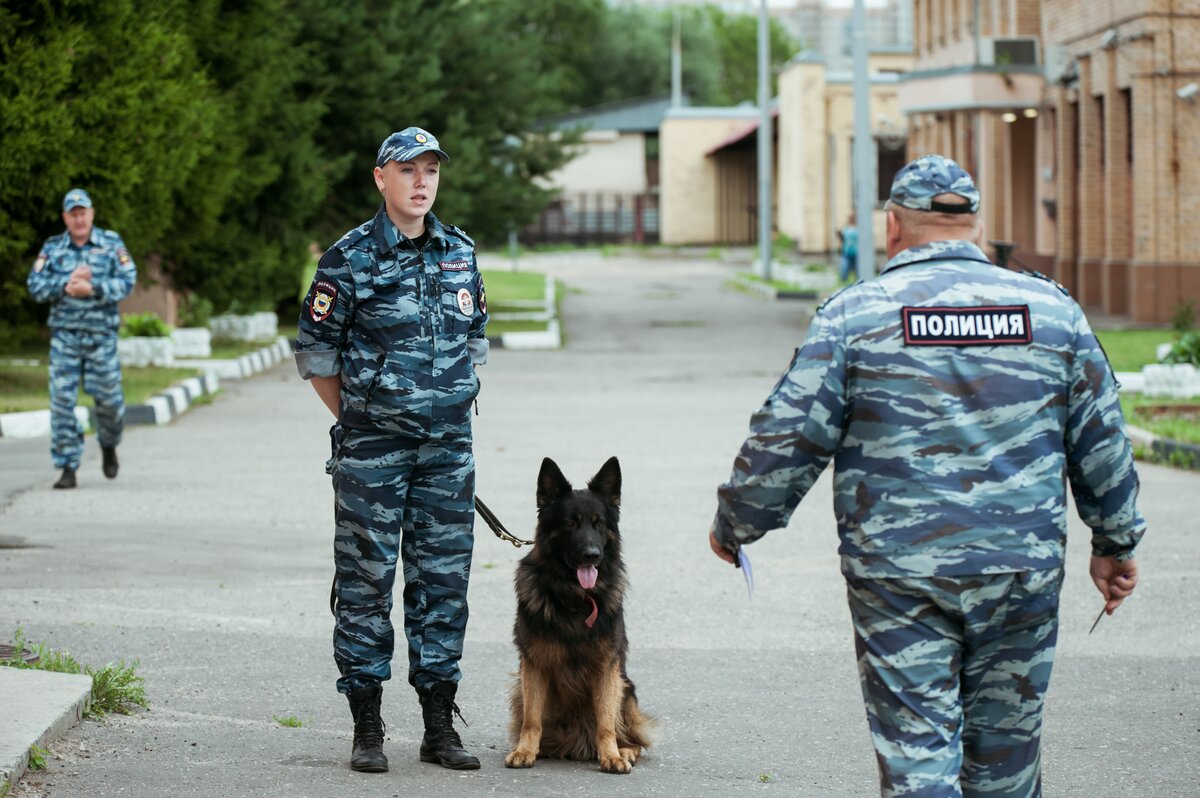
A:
(984, 325)
(324, 297)
(1050, 280)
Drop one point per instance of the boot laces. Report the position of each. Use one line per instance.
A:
(369, 727)
(446, 708)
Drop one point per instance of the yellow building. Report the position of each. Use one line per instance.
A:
(709, 158)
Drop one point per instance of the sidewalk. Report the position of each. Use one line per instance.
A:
(209, 560)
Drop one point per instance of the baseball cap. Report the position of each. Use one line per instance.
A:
(916, 185)
(408, 144)
(76, 198)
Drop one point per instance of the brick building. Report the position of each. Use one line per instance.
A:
(1080, 120)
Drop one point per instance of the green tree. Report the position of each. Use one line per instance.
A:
(259, 192)
(108, 96)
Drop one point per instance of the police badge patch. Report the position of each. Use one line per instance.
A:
(123, 257)
(465, 303)
(972, 326)
(324, 297)
(40, 263)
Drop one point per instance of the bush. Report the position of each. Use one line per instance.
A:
(195, 311)
(1186, 349)
(147, 325)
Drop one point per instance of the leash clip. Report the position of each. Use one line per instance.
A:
(492, 521)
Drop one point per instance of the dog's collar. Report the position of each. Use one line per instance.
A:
(591, 619)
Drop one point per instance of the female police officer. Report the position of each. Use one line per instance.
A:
(390, 334)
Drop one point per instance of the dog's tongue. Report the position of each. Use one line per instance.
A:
(586, 574)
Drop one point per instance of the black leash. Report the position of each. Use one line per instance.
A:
(488, 516)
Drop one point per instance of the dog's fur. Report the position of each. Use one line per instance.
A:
(572, 699)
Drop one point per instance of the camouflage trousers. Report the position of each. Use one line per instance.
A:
(412, 501)
(954, 672)
(75, 353)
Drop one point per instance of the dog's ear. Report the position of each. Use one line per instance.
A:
(551, 483)
(607, 482)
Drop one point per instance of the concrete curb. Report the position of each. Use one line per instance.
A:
(771, 292)
(40, 707)
(164, 407)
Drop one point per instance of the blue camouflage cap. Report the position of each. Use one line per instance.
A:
(929, 176)
(76, 198)
(408, 144)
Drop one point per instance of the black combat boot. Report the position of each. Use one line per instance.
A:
(67, 480)
(110, 461)
(441, 742)
(367, 754)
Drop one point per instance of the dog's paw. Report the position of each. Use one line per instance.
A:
(520, 759)
(615, 764)
(631, 755)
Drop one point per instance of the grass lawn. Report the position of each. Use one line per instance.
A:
(27, 387)
(1154, 414)
(225, 349)
(1129, 350)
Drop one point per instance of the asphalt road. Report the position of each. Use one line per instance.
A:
(209, 561)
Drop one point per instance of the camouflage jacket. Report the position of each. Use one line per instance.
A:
(954, 397)
(404, 329)
(113, 276)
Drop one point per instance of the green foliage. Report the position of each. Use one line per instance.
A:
(291, 721)
(220, 138)
(720, 55)
(195, 311)
(1184, 318)
(147, 325)
(37, 757)
(115, 688)
(1186, 349)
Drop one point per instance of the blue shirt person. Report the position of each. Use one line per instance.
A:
(390, 335)
(83, 273)
(956, 400)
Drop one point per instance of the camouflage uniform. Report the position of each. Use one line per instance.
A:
(83, 338)
(404, 329)
(953, 397)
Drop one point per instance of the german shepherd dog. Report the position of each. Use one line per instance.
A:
(572, 698)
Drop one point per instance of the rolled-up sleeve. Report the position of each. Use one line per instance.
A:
(324, 318)
(477, 342)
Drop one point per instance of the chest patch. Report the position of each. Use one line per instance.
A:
(40, 263)
(465, 302)
(454, 265)
(986, 325)
(323, 299)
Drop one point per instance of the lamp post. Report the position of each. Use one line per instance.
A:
(764, 143)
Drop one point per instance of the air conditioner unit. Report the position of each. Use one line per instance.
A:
(995, 52)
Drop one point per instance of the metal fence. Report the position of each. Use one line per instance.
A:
(596, 219)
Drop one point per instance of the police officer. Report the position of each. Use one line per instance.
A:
(390, 334)
(83, 273)
(954, 397)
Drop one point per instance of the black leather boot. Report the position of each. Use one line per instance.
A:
(67, 480)
(441, 742)
(110, 464)
(367, 755)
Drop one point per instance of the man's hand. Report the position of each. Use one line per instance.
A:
(719, 550)
(1115, 579)
(78, 287)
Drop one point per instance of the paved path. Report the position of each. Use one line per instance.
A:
(209, 561)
